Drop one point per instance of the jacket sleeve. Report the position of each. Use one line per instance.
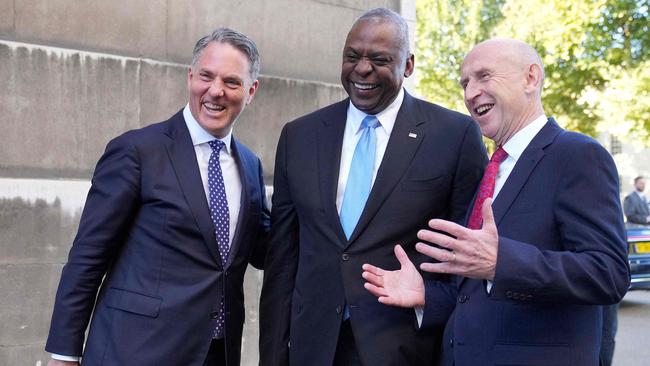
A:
(110, 206)
(279, 268)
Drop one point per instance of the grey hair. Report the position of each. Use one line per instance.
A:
(381, 15)
(234, 38)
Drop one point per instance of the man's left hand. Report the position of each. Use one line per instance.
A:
(468, 253)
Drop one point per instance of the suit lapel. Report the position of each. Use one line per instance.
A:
(400, 151)
(525, 165)
(330, 139)
(183, 158)
(244, 166)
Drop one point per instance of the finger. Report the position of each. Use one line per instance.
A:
(437, 238)
(387, 300)
(442, 267)
(448, 227)
(402, 257)
(377, 291)
(373, 279)
(438, 254)
(372, 269)
(488, 215)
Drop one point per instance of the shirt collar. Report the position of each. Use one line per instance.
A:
(198, 134)
(518, 143)
(386, 117)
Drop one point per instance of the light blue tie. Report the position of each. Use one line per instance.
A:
(359, 182)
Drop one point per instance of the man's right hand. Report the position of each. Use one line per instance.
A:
(54, 362)
(403, 287)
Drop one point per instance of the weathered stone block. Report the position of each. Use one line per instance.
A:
(6, 18)
(124, 27)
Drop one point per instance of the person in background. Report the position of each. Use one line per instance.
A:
(635, 204)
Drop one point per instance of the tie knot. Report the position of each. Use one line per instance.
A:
(369, 121)
(499, 156)
(216, 145)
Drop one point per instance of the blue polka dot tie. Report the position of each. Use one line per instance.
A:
(220, 216)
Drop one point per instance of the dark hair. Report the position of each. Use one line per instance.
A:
(389, 16)
(236, 39)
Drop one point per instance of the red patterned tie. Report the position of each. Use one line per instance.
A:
(486, 189)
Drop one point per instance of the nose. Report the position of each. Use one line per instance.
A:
(472, 90)
(363, 66)
(216, 89)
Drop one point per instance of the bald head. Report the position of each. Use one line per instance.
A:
(516, 52)
(502, 80)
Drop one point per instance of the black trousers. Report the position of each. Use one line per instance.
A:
(216, 354)
(346, 348)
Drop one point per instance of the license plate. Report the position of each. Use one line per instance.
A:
(643, 247)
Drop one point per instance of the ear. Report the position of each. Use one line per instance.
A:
(410, 65)
(190, 75)
(533, 78)
(251, 91)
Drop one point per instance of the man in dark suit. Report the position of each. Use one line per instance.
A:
(635, 204)
(351, 179)
(534, 266)
(175, 213)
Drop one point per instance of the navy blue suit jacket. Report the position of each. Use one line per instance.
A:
(146, 232)
(562, 252)
(433, 162)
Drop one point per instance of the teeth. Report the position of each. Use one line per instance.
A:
(484, 108)
(365, 86)
(213, 107)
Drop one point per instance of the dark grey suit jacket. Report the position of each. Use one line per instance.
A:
(636, 210)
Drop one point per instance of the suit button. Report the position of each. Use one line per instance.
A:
(345, 256)
(214, 315)
(463, 299)
(339, 309)
(529, 297)
(227, 273)
(509, 294)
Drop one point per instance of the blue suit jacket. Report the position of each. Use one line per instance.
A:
(146, 227)
(562, 252)
(433, 162)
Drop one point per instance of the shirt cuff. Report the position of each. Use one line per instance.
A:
(65, 358)
(419, 314)
(488, 286)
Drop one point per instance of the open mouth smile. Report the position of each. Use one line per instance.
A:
(483, 109)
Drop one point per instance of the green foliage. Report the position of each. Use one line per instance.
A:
(589, 48)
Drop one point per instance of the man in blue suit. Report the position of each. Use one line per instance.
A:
(175, 213)
(335, 208)
(535, 265)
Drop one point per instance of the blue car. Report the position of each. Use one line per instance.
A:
(638, 242)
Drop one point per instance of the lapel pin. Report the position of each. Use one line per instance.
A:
(413, 135)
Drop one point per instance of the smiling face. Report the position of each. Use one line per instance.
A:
(220, 87)
(501, 88)
(374, 65)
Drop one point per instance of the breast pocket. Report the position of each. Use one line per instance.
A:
(423, 182)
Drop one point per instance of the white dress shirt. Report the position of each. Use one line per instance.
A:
(352, 134)
(231, 179)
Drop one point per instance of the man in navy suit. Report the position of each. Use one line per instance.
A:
(426, 162)
(542, 258)
(175, 213)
